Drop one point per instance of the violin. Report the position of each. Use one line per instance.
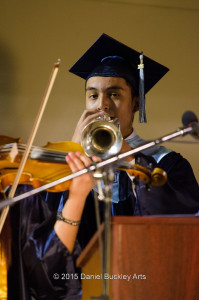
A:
(44, 164)
(47, 164)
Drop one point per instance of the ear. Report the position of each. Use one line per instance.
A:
(135, 104)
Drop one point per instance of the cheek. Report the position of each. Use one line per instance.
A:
(91, 104)
(126, 112)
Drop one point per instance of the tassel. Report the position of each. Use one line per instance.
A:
(142, 112)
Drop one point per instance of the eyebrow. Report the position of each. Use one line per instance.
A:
(114, 87)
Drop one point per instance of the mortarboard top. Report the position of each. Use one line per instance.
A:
(106, 46)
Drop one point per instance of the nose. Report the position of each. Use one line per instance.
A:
(103, 104)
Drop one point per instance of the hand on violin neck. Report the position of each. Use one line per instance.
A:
(81, 185)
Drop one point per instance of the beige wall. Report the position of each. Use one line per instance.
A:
(34, 33)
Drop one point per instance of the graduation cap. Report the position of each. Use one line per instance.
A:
(108, 57)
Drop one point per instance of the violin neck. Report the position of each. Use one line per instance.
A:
(15, 150)
(41, 154)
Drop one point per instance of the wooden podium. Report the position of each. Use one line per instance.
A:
(152, 258)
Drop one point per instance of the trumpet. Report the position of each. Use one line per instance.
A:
(102, 137)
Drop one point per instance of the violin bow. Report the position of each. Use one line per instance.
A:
(30, 140)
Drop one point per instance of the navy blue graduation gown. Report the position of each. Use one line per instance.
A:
(41, 262)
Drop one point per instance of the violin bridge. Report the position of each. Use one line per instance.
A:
(14, 152)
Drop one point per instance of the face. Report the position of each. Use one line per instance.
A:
(112, 95)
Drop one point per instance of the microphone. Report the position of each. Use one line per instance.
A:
(189, 119)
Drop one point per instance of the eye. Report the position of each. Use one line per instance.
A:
(93, 96)
(114, 95)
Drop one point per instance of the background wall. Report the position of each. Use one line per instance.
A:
(35, 33)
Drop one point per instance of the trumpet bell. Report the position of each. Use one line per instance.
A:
(101, 138)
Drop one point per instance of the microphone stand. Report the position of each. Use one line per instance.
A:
(108, 181)
(108, 178)
(100, 165)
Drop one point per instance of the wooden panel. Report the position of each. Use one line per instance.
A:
(152, 258)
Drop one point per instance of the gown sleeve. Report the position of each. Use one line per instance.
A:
(45, 267)
(180, 194)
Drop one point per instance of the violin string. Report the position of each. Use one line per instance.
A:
(50, 153)
(22, 147)
(42, 152)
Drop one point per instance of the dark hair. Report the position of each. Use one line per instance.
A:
(134, 92)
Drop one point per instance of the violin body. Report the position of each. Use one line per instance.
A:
(47, 164)
(37, 171)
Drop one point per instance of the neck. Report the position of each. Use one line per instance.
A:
(127, 133)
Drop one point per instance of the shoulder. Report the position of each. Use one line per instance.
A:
(174, 159)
